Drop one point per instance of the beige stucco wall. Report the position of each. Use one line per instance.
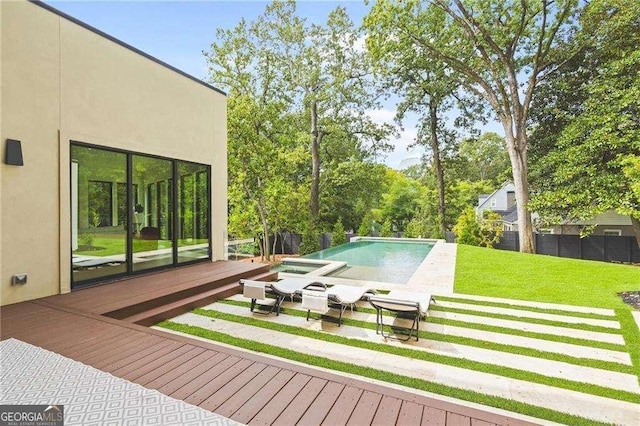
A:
(62, 82)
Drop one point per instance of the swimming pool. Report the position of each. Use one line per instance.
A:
(391, 261)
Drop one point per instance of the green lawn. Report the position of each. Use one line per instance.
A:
(514, 275)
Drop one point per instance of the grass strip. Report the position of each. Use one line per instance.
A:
(431, 357)
(532, 334)
(468, 341)
(411, 382)
(588, 315)
(631, 336)
(504, 330)
(541, 321)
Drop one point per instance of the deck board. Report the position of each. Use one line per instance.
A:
(262, 398)
(301, 403)
(388, 411)
(281, 400)
(366, 408)
(243, 386)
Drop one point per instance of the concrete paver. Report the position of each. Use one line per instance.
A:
(577, 403)
(577, 351)
(606, 378)
(529, 314)
(436, 273)
(543, 305)
(538, 328)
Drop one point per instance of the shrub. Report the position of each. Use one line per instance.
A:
(416, 228)
(474, 231)
(385, 230)
(338, 235)
(365, 227)
(309, 243)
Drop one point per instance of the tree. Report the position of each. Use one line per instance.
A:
(401, 200)
(327, 78)
(484, 158)
(293, 88)
(586, 161)
(482, 231)
(364, 229)
(499, 51)
(338, 236)
(426, 89)
(350, 188)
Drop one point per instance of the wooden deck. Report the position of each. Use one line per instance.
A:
(245, 387)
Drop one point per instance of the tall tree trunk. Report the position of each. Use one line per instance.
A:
(437, 164)
(517, 148)
(636, 228)
(316, 136)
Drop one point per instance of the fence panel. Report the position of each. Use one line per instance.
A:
(609, 248)
(509, 241)
(569, 246)
(547, 244)
(593, 247)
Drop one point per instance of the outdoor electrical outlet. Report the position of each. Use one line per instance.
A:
(19, 279)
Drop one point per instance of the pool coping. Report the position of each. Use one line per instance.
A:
(434, 275)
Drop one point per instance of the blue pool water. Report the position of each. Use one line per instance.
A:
(383, 261)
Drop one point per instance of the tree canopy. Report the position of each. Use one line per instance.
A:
(587, 136)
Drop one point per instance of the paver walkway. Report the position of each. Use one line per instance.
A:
(574, 402)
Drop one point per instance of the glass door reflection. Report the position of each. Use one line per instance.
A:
(152, 238)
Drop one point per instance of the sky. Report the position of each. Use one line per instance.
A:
(177, 32)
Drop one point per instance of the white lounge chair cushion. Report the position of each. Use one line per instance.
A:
(422, 299)
(347, 294)
(254, 289)
(315, 301)
(290, 286)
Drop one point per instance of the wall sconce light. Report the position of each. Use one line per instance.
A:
(13, 153)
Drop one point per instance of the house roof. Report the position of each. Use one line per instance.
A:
(123, 44)
(488, 196)
(511, 214)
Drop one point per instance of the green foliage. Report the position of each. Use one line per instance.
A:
(497, 51)
(587, 130)
(485, 158)
(364, 230)
(86, 239)
(310, 242)
(338, 236)
(385, 230)
(467, 229)
(485, 231)
(401, 200)
(296, 95)
(418, 227)
(349, 190)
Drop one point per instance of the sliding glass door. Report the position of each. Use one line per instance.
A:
(130, 215)
(99, 242)
(152, 243)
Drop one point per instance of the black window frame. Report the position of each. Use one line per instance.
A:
(173, 216)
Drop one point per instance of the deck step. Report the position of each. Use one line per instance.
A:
(175, 307)
(203, 287)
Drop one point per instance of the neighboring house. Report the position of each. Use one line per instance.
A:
(114, 162)
(503, 201)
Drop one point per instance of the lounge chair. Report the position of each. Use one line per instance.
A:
(257, 292)
(288, 287)
(338, 297)
(415, 305)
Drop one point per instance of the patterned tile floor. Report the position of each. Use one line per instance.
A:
(32, 375)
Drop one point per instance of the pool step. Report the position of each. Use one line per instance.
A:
(166, 307)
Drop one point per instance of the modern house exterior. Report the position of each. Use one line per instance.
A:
(503, 201)
(113, 162)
